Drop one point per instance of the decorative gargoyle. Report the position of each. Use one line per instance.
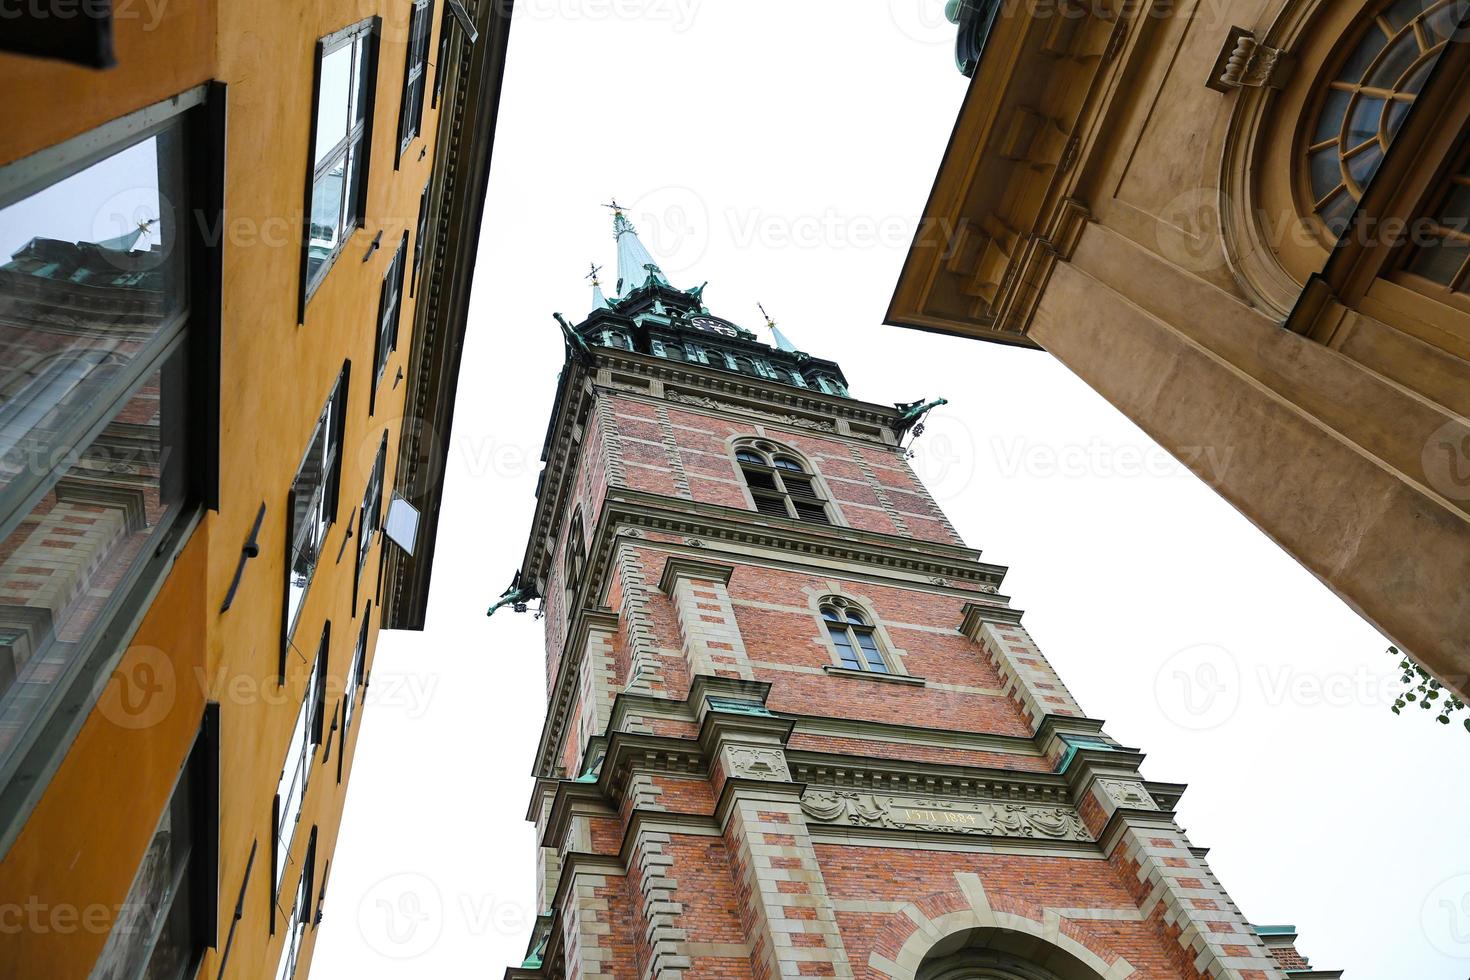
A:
(517, 596)
(912, 413)
(576, 343)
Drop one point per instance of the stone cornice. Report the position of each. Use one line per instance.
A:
(676, 568)
(626, 511)
(844, 771)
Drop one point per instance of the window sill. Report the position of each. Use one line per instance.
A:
(871, 675)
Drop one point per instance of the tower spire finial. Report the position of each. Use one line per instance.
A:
(636, 266)
(599, 301)
(781, 342)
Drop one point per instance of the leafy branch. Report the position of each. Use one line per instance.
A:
(1423, 690)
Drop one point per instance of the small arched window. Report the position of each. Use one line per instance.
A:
(780, 485)
(853, 636)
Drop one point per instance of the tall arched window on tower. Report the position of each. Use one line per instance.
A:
(575, 565)
(779, 483)
(853, 636)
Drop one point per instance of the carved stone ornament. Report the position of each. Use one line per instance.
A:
(629, 532)
(694, 542)
(970, 817)
(756, 762)
(1126, 793)
(1247, 63)
(719, 406)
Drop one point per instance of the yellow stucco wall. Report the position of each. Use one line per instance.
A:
(82, 846)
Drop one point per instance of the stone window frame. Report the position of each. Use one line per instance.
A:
(893, 655)
(574, 562)
(772, 448)
(1274, 242)
(1352, 46)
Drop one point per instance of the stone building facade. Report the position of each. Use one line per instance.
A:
(794, 725)
(1247, 226)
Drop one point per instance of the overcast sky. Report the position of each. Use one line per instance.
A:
(782, 150)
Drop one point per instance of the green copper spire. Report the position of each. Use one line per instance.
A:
(599, 301)
(781, 342)
(635, 265)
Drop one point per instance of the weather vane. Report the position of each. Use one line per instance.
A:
(593, 274)
(615, 205)
(769, 321)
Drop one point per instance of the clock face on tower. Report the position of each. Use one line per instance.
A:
(714, 324)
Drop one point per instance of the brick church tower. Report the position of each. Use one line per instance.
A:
(795, 727)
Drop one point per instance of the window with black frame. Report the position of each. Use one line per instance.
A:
(416, 74)
(168, 918)
(342, 133)
(356, 673)
(420, 239)
(372, 507)
(313, 504)
(390, 305)
(300, 915)
(104, 400)
(306, 735)
(779, 484)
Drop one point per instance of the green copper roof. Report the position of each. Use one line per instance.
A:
(635, 264)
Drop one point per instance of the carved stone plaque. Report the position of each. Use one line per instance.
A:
(756, 762)
(1126, 793)
(974, 817)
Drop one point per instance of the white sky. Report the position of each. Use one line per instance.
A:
(781, 150)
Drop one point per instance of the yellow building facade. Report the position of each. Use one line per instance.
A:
(1245, 225)
(237, 249)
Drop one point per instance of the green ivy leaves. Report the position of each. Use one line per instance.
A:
(1428, 693)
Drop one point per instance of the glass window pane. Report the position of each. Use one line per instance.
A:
(92, 278)
(1441, 260)
(1326, 172)
(1397, 60)
(361, 54)
(1338, 211)
(68, 562)
(326, 219)
(332, 102)
(1364, 165)
(1364, 122)
(870, 651)
(1362, 57)
(1334, 109)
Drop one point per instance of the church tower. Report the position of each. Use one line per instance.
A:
(794, 725)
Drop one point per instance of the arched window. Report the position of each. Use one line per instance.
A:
(1361, 103)
(780, 485)
(575, 565)
(853, 636)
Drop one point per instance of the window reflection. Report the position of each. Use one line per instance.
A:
(68, 561)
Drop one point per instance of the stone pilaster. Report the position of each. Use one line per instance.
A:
(645, 672)
(701, 597)
(1029, 677)
(792, 923)
(667, 942)
(1176, 883)
(586, 928)
(597, 678)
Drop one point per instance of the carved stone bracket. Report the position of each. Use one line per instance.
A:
(970, 817)
(1128, 793)
(1244, 62)
(756, 762)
